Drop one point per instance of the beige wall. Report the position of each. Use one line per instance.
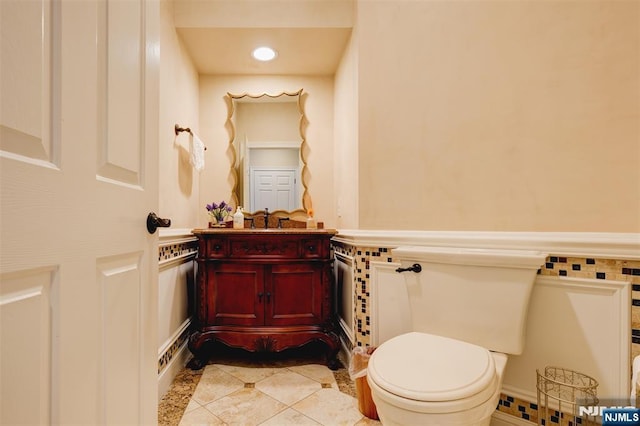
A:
(346, 137)
(179, 182)
(216, 181)
(509, 116)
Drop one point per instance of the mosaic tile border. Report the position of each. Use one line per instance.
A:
(526, 410)
(560, 266)
(518, 408)
(177, 249)
(362, 257)
(171, 351)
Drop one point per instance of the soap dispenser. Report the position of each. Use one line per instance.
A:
(238, 219)
(311, 222)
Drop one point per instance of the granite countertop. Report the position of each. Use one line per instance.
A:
(257, 231)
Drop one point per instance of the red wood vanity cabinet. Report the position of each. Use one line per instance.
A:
(263, 290)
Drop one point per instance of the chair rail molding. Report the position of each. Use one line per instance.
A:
(583, 244)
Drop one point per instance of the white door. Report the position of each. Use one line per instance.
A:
(78, 170)
(274, 189)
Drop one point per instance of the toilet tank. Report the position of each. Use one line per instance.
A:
(480, 296)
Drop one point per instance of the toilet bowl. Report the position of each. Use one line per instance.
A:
(468, 311)
(425, 379)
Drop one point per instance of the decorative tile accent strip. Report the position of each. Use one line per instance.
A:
(171, 351)
(516, 407)
(344, 249)
(508, 405)
(171, 251)
(362, 256)
(529, 411)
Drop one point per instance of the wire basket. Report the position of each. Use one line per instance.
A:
(562, 393)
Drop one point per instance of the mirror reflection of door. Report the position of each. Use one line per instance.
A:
(274, 189)
(271, 176)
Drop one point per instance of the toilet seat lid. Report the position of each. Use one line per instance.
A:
(430, 368)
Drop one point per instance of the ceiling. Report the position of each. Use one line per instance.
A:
(301, 51)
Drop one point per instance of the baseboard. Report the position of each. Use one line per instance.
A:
(175, 365)
(345, 352)
(503, 419)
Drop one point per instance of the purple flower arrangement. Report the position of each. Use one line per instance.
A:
(219, 212)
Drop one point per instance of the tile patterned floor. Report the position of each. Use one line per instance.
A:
(248, 392)
(296, 395)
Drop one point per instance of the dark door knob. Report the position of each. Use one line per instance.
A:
(154, 222)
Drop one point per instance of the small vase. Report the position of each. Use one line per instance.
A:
(217, 223)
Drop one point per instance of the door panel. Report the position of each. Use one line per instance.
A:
(27, 74)
(119, 285)
(77, 290)
(25, 298)
(296, 291)
(121, 79)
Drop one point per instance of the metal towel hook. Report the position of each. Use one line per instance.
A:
(413, 268)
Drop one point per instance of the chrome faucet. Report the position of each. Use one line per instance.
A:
(266, 218)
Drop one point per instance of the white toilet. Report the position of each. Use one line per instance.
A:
(468, 310)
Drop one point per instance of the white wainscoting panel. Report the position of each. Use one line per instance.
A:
(390, 310)
(173, 300)
(345, 294)
(580, 324)
(175, 278)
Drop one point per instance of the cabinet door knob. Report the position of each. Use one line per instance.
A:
(268, 297)
(260, 297)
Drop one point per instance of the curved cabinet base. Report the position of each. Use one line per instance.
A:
(262, 339)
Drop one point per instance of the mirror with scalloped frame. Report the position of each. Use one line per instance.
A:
(268, 153)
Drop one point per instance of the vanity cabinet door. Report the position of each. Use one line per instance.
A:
(236, 294)
(295, 294)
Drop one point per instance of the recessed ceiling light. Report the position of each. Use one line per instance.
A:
(264, 53)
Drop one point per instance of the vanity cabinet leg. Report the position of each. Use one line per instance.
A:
(196, 363)
(333, 347)
(332, 361)
(196, 346)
